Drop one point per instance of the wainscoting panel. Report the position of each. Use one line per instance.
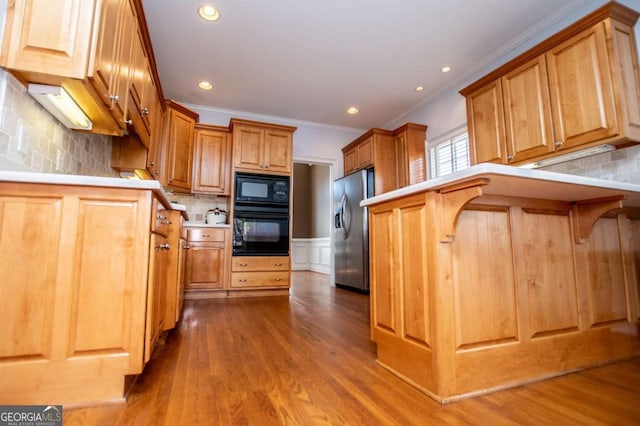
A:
(311, 254)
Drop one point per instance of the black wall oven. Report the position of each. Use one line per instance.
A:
(261, 215)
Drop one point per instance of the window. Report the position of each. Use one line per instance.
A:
(449, 156)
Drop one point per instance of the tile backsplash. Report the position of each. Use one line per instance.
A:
(197, 205)
(622, 165)
(33, 140)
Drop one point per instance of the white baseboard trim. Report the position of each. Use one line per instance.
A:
(311, 254)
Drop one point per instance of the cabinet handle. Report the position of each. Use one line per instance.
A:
(278, 279)
(243, 280)
(114, 98)
(161, 217)
(166, 222)
(206, 235)
(558, 143)
(277, 264)
(165, 246)
(129, 122)
(244, 264)
(152, 163)
(509, 157)
(186, 246)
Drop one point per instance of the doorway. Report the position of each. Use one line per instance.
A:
(312, 213)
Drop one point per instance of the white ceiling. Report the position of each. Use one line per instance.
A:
(310, 60)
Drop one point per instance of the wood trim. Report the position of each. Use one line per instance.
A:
(171, 104)
(365, 136)
(410, 126)
(613, 10)
(451, 205)
(212, 127)
(237, 121)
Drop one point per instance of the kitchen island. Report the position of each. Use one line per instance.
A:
(85, 284)
(498, 276)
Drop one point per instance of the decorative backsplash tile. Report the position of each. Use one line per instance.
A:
(31, 139)
(197, 205)
(622, 165)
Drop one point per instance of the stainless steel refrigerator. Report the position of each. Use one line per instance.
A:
(351, 230)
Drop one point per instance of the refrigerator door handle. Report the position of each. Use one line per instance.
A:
(343, 206)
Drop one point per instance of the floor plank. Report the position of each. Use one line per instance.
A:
(307, 359)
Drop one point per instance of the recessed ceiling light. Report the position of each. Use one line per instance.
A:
(208, 12)
(352, 110)
(419, 89)
(205, 85)
(446, 68)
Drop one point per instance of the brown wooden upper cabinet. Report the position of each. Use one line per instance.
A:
(212, 160)
(577, 89)
(98, 51)
(262, 147)
(398, 156)
(179, 128)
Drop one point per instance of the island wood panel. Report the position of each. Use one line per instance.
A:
(581, 89)
(635, 237)
(97, 325)
(383, 297)
(607, 293)
(483, 278)
(27, 315)
(529, 131)
(413, 277)
(399, 264)
(485, 119)
(543, 246)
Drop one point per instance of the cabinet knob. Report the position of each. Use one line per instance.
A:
(165, 246)
(558, 143)
(277, 264)
(278, 279)
(152, 163)
(114, 98)
(166, 222)
(186, 246)
(161, 217)
(206, 235)
(244, 264)
(145, 111)
(129, 122)
(509, 157)
(243, 280)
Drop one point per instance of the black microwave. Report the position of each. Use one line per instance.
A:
(252, 189)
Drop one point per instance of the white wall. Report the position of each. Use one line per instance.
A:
(445, 112)
(311, 141)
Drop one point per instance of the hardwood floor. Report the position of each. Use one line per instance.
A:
(307, 359)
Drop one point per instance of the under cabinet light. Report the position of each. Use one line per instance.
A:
(61, 105)
(571, 156)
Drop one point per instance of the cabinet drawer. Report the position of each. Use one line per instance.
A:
(205, 234)
(260, 279)
(260, 263)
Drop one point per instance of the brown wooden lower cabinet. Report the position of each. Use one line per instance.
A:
(206, 261)
(484, 283)
(260, 272)
(88, 284)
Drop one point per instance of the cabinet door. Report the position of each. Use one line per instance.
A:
(51, 36)
(155, 293)
(402, 162)
(277, 150)
(248, 144)
(205, 266)
(581, 90)
(156, 141)
(121, 85)
(138, 82)
(527, 111)
(211, 162)
(180, 152)
(485, 122)
(350, 161)
(105, 66)
(365, 153)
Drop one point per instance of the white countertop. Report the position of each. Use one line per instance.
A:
(81, 180)
(524, 183)
(194, 224)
